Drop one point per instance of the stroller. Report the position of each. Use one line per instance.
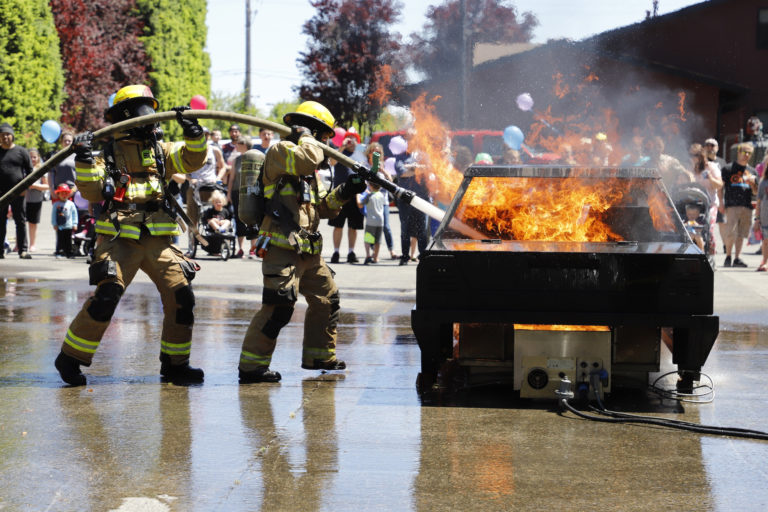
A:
(84, 236)
(694, 207)
(220, 243)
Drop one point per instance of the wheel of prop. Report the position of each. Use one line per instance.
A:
(224, 251)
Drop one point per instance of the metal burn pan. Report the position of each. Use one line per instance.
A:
(565, 246)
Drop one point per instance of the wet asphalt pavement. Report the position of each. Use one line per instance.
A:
(353, 440)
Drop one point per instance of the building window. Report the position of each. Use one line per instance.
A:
(762, 29)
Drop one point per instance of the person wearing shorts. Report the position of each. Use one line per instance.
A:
(739, 184)
(33, 200)
(374, 200)
(350, 213)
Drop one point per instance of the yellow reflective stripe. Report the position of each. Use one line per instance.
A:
(251, 358)
(175, 349)
(163, 228)
(280, 240)
(196, 145)
(80, 344)
(176, 157)
(333, 201)
(287, 190)
(88, 174)
(144, 189)
(290, 160)
(319, 353)
(104, 227)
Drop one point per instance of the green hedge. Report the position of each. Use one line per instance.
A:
(174, 38)
(31, 75)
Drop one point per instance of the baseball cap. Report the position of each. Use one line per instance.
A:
(6, 128)
(711, 142)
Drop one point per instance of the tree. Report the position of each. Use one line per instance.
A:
(352, 63)
(31, 77)
(174, 38)
(101, 53)
(230, 103)
(436, 50)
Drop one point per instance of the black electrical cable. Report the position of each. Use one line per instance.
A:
(701, 429)
(681, 423)
(619, 417)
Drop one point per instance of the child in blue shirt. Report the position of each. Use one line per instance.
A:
(373, 199)
(64, 220)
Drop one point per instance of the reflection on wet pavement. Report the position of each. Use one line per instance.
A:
(361, 439)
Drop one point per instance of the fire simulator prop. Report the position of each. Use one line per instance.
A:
(578, 274)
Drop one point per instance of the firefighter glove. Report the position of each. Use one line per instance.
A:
(190, 126)
(296, 133)
(83, 147)
(354, 185)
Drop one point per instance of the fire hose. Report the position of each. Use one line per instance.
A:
(400, 193)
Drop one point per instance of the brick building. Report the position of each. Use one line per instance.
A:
(691, 74)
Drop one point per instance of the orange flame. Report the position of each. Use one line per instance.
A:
(561, 210)
(382, 94)
(681, 105)
(561, 89)
(431, 140)
(557, 327)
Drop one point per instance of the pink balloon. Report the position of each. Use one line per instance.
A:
(198, 102)
(339, 137)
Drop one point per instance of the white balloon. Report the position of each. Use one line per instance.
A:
(398, 145)
(525, 102)
(389, 165)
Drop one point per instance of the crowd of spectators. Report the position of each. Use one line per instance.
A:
(737, 192)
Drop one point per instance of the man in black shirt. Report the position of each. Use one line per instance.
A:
(739, 184)
(14, 166)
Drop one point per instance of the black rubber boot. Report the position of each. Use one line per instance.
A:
(263, 374)
(334, 364)
(69, 369)
(180, 375)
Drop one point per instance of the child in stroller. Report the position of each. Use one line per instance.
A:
(693, 205)
(84, 237)
(216, 227)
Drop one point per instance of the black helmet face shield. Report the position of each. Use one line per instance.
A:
(139, 110)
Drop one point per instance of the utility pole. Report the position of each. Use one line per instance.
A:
(247, 99)
(464, 79)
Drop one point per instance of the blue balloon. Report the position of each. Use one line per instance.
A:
(50, 130)
(513, 137)
(111, 100)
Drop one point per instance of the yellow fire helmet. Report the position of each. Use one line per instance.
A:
(127, 100)
(314, 116)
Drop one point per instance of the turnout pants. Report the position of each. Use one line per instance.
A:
(286, 274)
(114, 266)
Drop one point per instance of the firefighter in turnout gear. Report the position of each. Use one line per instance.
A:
(133, 178)
(289, 242)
